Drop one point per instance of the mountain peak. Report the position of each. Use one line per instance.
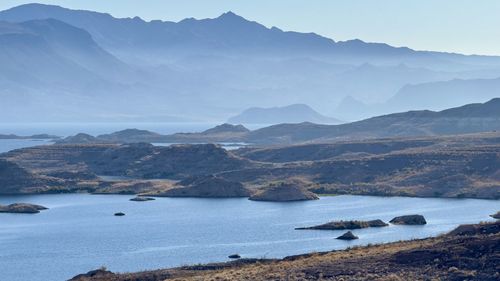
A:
(230, 16)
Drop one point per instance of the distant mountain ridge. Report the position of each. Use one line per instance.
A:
(295, 113)
(471, 118)
(227, 32)
(75, 65)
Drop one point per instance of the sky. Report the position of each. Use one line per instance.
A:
(462, 26)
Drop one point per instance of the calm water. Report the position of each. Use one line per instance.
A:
(8, 145)
(79, 232)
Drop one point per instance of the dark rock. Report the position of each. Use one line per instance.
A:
(22, 208)
(339, 225)
(235, 256)
(120, 214)
(142, 199)
(98, 273)
(474, 229)
(409, 220)
(496, 216)
(348, 236)
(284, 191)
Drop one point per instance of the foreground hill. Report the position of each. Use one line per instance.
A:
(470, 252)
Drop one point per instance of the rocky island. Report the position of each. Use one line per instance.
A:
(409, 220)
(348, 236)
(32, 137)
(340, 225)
(142, 199)
(22, 208)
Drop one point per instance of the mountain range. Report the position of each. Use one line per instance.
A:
(467, 119)
(74, 65)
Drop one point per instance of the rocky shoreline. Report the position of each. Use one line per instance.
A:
(467, 253)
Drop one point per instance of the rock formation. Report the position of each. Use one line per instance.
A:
(409, 220)
(339, 225)
(22, 208)
(348, 236)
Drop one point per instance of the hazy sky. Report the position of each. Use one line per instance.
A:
(465, 26)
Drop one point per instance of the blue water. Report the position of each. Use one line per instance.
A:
(79, 232)
(8, 145)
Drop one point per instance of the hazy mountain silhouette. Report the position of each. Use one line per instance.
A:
(226, 33)
(471, 118)
(72, 64)
(295, 113)
(436, 95)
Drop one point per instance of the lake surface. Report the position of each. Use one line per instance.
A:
(8, 144)
(79, 232)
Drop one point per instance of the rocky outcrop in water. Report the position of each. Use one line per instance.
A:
(409, 220)
(496, 216)
(347, 236)
(142, 199)
(340, 225)
(284, 191)
(22, 208)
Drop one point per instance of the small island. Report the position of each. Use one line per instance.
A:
(32, 137)
(348, 236)
(340, 225)
(22, 208)
(141, 199)
(409, 220)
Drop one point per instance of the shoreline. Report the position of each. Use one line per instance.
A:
(415, 258)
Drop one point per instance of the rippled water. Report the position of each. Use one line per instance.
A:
(79, 232)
